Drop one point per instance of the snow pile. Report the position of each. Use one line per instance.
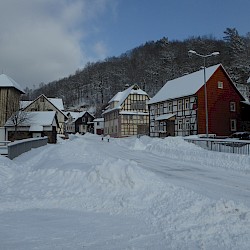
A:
(105, 190)
(119, 174)
(177, 148)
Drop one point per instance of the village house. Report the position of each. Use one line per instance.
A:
(79, 122)
(127, 113)
(98, 126)
(10, 93)
(43, 103)
(178, 109)
(31, 125)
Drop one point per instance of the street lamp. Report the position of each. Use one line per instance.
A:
(192, 52)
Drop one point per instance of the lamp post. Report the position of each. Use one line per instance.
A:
(192, 52)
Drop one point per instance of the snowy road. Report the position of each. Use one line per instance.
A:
(203, 178)
(85, 193)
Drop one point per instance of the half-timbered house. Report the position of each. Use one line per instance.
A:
(79, 122)
(127, 113)
(178, 109)
(43, 103)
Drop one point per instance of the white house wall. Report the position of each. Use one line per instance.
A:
(42, 104)
(185, 116)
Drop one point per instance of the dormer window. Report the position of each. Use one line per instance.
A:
(220, 85)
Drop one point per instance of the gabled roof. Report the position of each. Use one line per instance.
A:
(81, 114)
(184, 86)
(56, 102)
(76, 115)
(24, 104)
(6, 81)
(37, 118)
(120, 97)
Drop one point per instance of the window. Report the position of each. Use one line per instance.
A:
(180, 124)
(161, 109)
(233, 124)
(138, 105)
(232, 106)
(161, 127)
(180, 105)
(220, 85)
(152, 109)
(187, 124)
(170, 107)
(186, 104)
(158, 109)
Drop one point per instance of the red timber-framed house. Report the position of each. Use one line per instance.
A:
(127, 113)
(178, 109)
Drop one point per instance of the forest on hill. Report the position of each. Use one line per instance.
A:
(150, 66)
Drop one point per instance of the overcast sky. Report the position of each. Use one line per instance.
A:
(45, 40)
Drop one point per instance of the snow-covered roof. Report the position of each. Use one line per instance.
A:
(183, 86)
(6, 81)
(246, 102)
(77, 115)
(133, 113)
(24, 104)
(164, 117)
(120, 97)
(74, 115)
(80, 114)
(117, 97)
(98, 120)
(38, 118)
(36, 128)
(57, 102)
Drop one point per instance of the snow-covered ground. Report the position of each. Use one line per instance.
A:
(85, 193)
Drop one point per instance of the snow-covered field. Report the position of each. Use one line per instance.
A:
(85, 193)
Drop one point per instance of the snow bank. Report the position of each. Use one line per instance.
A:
(177, 148)
(86, 174)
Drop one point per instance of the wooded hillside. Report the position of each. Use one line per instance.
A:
(150, 66)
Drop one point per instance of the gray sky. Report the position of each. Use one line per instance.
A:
(45, 40)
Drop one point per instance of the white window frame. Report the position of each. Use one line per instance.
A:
(161, 108)
(187, 124)
(180, 125)
(170, 107)
(180, 105)
(187, 104)
(220, 85)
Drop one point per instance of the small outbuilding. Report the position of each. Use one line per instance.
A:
(25, 125)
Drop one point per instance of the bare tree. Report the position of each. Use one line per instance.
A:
(18, 118)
